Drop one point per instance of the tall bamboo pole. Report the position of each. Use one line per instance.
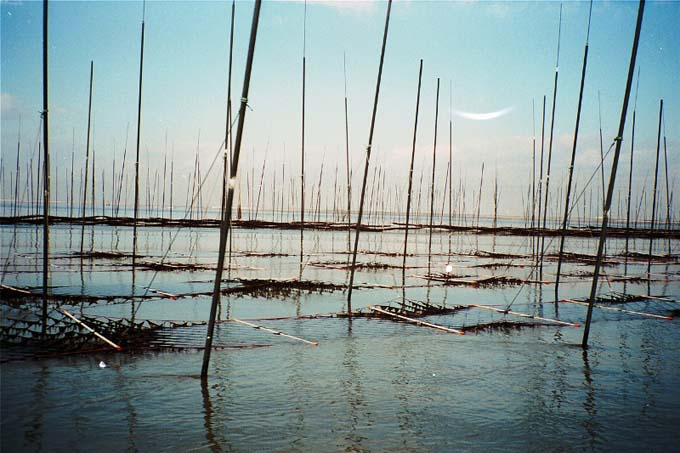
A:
(87, 160)
(347, 162)
(612, 176)
(656, 177)
(46, 173)
(533, 172)
(225, 220)
(668, 193)
(139, 136)
(18, 172)
(368, 159)
(410, 176)
(630, 173)
(228, 136)
(573, 159)
(434, 166)
(540, 191)
(450, 162)
(550, 140)
(302, 149)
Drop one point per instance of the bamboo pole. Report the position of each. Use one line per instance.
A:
(620, 310)
(573, 158)
(550, 141)
(366, 164)
(410, 176)
(97, 334)
(46, 172)
(524, 315)
(347, 162)
(18, 172)
(656, 177)
(228, 136)
(302, 149)
(533, 170)
(417, 322)
(450, 162)
(540, 190)
(139, 136)
(434, 166)
(275, 332)
(668, 193)
(226, 218)
(87, 160)
(612, 177)
(630, 173)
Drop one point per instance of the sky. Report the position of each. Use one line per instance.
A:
(489, 57)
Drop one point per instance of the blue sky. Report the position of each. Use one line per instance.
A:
(494, 55)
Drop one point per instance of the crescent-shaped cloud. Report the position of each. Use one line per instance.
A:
(483, 116)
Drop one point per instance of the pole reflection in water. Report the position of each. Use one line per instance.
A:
(131, 411)
(410, 429)
(354, 394)
(34, 434)
(207, 417)
(589, 403)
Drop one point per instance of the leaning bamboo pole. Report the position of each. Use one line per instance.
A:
(612, 176)
(416, 321)
(434, 167)
(550, 143)
(567, 210)
(275, 332)
(525, 315)
(46, 172)
(366, 164)
(410, 176)
(226, 218)
(94, 332)
(656, 177)
(87, 160)
(228, 136)
(620, 310)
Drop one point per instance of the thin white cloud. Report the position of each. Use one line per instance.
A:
(483, 116)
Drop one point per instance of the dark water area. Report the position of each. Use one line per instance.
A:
(371, 384)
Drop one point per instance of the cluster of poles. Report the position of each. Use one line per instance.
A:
(232, 147)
